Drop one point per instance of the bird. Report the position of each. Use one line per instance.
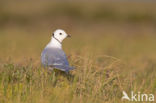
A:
(53, 56)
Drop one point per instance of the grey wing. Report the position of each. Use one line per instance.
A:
(56, 58)
(44, 57)
(53, 56)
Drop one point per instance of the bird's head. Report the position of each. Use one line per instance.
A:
(60, 35)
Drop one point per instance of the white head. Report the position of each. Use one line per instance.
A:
(60, 35)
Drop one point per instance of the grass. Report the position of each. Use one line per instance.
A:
(100, 75)
(113, 49)
(28, 83)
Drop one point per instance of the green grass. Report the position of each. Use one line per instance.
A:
(89, 82)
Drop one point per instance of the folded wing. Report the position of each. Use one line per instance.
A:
(56, 58)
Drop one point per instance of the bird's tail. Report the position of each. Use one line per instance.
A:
(64, 68)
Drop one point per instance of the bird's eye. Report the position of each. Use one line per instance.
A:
(60, 33)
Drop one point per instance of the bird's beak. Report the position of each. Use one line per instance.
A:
(68, 35)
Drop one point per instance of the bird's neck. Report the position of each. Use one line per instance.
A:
(54, 43)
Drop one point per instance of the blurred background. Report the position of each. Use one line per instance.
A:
(120, 29)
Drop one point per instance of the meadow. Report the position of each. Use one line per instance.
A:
(112, 48)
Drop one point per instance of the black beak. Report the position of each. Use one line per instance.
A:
(69, 36)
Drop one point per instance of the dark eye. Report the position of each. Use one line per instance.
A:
(60, 33)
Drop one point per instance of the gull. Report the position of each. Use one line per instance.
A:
(53, 56)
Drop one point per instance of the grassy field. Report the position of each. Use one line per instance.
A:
(112, 47)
